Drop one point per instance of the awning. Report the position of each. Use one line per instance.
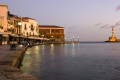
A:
(14, 35)
(5, 35)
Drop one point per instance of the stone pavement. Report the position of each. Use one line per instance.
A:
(9, 60)
(4, 51)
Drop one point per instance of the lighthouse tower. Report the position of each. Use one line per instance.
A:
(113, 38)
(113, 32)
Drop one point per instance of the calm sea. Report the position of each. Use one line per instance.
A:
(83, 61)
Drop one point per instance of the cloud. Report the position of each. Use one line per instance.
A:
(72, 27)
(117, 24)
(118, 8)
(98, 24)
(105, 26)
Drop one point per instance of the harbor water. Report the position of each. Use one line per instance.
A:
(80, 61)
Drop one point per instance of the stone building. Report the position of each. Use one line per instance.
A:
(3, 17)
(13, 26)
(52, 32)
(3, 24)
(29, 27)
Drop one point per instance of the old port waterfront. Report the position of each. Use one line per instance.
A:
(76, 61)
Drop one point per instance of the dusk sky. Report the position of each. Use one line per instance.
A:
(81, 18)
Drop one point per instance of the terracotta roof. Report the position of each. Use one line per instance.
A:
(49, 26)
(27, 18)
(24, 20)
(4, 5)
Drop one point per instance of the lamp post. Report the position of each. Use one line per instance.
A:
(73, 38)
(78, 39)
(19, 24)
(65, 39)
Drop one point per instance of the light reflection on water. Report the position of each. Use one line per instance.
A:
(84, 61)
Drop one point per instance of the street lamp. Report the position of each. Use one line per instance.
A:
(73, 38)
(66, 39)
(78, 39)
(19, 24)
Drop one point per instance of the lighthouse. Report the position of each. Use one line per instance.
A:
(113, 32)
(113, 38)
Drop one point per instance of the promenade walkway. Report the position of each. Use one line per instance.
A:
(4, 51)
(9, 60)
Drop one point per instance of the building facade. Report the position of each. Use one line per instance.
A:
(3, 17)
(55, 33)
(29, 27)
(13, 26)
(28, 30)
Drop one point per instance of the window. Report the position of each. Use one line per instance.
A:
(58, 37)
(14, 21)
(56, 31)
(40, 31)
(25, 27)
(52, 31)
(36, 28)
(17, 31)
(11, 23)
(46, 36)
(32, 28)
(30, 33)
(44, 31)
(60, 31)
(48, 31)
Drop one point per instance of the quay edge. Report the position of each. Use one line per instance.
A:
(9, 66)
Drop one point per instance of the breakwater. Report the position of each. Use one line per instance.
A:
(9, 67)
